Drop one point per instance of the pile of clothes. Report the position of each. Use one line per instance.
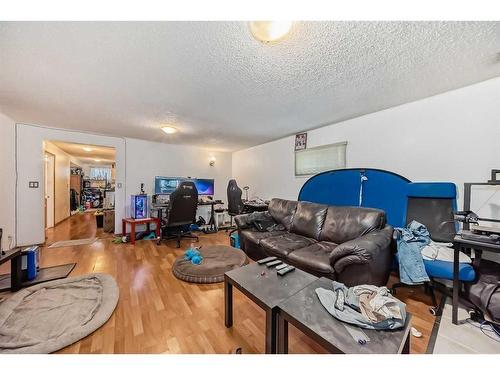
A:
(366, 306)
(415, 245)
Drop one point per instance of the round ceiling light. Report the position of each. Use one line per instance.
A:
(269, 31)
(169, 129)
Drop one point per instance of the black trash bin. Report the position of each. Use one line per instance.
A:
(99, 219)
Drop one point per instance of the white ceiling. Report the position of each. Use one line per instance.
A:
(219, 86)
(105, 155)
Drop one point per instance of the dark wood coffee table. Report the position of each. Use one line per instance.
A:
(267, 289)
(305, 311)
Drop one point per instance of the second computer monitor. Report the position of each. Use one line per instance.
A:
(205, 186)
(166, 185)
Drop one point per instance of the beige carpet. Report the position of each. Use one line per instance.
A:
(49, 316)
(83, 241)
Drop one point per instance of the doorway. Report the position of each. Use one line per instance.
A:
(84, 190)
(50, 176)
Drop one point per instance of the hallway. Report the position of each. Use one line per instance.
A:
(75, 227)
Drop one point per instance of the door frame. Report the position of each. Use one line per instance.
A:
(53, 188)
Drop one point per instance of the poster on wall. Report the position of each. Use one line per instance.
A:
(300, 141)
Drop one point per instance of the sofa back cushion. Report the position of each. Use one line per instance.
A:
(308, 219)
(343, 224)
(282, 211)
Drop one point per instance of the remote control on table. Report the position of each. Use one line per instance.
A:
(265, 260)
(286, 270)
(281, 266)
(273, 263)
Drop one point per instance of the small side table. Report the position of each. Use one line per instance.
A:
(133, 222)
(460, 243)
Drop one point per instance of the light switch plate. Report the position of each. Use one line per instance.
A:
(33, 185)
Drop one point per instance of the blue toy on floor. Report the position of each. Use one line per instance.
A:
(193, 255)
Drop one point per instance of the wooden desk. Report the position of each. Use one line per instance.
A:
(134, 222)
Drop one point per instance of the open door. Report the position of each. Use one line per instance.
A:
(50, 162)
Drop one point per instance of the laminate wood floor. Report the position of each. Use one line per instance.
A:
(157, 313)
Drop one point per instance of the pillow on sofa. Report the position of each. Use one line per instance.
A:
(263, 224)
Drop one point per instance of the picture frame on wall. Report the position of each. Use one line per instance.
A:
(300, 141)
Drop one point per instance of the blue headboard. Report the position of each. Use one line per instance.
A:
(374, 188)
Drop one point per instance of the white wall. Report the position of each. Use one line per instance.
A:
(7, 179)
(136, 161)
(453, 137)
(30, 209)
(145, 160)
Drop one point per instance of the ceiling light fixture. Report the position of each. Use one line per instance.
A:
(97, 160)
(169, 129)
(87, 148)
(269, 31)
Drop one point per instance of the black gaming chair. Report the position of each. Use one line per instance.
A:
(235, 204)
(181, 213)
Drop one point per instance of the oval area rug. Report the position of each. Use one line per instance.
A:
(217, 259)
(50, 316)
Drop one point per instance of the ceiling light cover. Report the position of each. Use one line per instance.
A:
(169, 129)
(86, 148)
(269, 31)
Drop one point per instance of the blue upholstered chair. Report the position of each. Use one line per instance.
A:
(430, 203)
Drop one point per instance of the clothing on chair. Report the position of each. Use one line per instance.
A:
(443, 251)
(410, 242)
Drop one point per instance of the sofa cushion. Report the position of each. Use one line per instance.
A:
(308, 219)
(282, 211)
(284, 244)
(343, 224)
(314, 258)
(255, 236)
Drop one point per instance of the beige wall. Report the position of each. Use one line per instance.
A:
(62, 172)
(7, 180)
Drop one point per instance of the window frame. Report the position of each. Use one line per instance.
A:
(330, 145)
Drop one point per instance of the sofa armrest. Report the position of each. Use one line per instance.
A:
(362, 249)
(245, 221)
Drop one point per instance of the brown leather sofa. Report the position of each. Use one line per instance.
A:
(347, 244)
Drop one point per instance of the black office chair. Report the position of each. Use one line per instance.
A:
(437, 214)
(235, 204)
(181, 213)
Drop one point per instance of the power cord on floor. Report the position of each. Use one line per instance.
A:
(487, 328)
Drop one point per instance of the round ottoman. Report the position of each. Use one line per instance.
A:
(217, 259)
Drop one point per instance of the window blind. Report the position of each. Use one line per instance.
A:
(319, 159)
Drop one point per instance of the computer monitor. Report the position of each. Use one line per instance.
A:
(205, 186)
(166, 185)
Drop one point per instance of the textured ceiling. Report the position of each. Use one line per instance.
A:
(106, 155)
(219, 86)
